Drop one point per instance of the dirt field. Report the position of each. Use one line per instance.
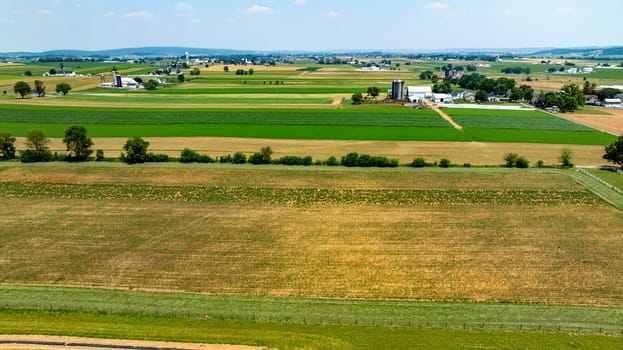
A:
(93, 342)
(476, 153)
(612, 123)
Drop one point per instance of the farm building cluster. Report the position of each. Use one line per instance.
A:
(422, 94)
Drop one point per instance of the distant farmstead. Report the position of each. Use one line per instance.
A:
(612, 103)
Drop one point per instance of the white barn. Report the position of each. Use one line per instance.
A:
(419, 93)
(612, 103)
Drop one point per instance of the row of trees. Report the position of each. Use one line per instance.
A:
(515, 70)
(79, 148)
(22, 88)
(37, 146)
(251, 71)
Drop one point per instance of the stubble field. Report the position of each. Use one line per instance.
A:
(493, 236)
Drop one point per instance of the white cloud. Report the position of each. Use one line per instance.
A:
(184, 7)
(332, 14)
(300, 2)
(437, 6)
(257, 9)
(109, 14)
(187, 11)
(138, 14)
(561, 11)
(45, 12)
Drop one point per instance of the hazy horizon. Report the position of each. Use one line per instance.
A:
(307, 25)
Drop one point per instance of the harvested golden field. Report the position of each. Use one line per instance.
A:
(478, 234)
(611, 121)
(476, 153)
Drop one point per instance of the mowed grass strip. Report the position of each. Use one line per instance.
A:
(535, 252)
(287, 335)
(319, 311)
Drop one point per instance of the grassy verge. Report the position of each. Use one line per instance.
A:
(315, 311)
(288, 335)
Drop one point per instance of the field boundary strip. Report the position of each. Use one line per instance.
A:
(601, 188)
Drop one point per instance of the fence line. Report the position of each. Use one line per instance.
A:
(601, 181)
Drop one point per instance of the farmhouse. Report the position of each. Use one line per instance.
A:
(442, 98)
(419, 93)
(463, 95)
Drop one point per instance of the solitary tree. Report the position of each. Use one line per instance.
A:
(63, 88)
(151, 84)
(22, 88)
(614, 152)
(373, 91)
(356, 98)
(136, 151)
(7, 146)
(226, 69)
(39, 88)
(78, 144)
(181, 78)
(565, 158)
(37, 148)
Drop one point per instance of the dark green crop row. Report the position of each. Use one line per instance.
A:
(297, 196)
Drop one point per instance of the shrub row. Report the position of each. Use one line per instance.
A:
(443, 163)
(354, 159)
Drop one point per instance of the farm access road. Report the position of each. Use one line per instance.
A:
(44, 342)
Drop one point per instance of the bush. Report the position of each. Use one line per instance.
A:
(565, 158)
(354, 159)
(32, 156)
(156, 158)
(295, 160)
(350, 159)
(226, 159)
(444, 163)
(510, 159)
(522, 162)
(136, 151)
(239, 158)
(515, 160)
(188, 156)
(256, 158)
(419, 163)
(540, 164)
(467, 165)
(60, 157)
(332, 161)
(99, 155)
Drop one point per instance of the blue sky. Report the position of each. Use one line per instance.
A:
(37, 25)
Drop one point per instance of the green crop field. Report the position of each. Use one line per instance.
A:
(504, 119)
(370, 123)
